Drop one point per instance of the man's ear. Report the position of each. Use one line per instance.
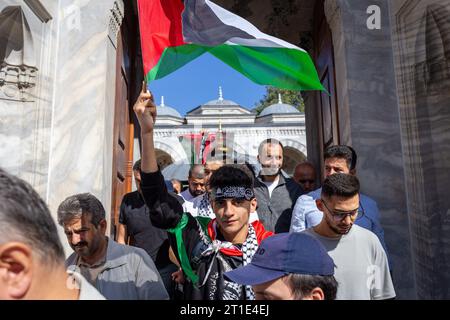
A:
(353, 172)
(319, 204)
(317, 294)
(102, 226)
(16, 272)
(253, 205)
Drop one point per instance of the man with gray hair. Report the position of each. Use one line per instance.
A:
(117, 271)
(31, 254)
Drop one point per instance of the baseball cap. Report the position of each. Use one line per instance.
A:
(282, 254)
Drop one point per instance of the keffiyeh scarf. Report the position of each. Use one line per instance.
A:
(249, 248)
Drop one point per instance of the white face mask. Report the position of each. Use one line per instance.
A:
(270, 171)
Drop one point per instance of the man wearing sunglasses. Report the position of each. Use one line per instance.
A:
(362, 269)
(338, 159)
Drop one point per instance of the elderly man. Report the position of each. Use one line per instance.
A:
(362, 269)
(31, 254)
(275, 193)
(305, 176)
(117, 271)
(289, 266)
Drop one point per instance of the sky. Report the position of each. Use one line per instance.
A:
(198, 82)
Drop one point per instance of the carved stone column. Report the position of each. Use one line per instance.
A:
(422, 56)
(115, 20)
(18, 69)
(333, 13)
(369, 120)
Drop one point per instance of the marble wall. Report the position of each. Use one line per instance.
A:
(421, 42)
(369, 117)
(83, 118)
(26, 113)
(62, 141)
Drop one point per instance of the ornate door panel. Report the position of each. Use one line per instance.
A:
(326, 102)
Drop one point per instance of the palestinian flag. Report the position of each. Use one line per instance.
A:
(197, 146)
(174, 33)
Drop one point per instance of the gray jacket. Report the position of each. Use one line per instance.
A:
(128, 274)
(87, 291)
(275, 212)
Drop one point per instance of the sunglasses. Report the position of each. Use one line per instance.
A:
(341, 215)
(305, 181)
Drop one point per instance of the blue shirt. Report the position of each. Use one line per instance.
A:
(306, 215)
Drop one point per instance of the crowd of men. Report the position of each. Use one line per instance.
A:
(233, 234)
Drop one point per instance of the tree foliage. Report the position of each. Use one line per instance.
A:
(292, 97)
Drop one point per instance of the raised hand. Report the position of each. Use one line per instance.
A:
(145, 110)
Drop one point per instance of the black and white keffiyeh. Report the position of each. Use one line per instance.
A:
(248, 250)
(204, 207)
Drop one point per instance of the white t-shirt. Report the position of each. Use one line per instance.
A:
(361, 265)
(272, 185)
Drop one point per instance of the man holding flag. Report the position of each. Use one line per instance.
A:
(205, 247)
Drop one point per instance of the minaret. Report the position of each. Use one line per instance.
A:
(220, 99)
(220, 94)
(162, 101)
(279, 98)
(220, 133)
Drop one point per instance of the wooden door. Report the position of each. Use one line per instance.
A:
(328, 114)
(128, 85)
(123, 131)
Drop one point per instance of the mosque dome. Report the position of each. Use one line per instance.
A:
(279, 108)
(164, 110)
(221, 101)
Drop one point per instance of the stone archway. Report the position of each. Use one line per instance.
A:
(294, 153)
(176, 152)
(292, 157)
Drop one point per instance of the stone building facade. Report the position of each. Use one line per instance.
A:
(244, 131)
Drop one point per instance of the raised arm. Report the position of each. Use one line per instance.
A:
(145, 110)
(165, 211)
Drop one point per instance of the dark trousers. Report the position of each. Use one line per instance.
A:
(166, 275)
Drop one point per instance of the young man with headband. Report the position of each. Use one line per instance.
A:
(205, 247)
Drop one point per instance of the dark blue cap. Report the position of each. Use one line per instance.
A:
(283, 254)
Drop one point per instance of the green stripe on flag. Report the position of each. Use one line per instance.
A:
(283, 68)
(174, 58)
